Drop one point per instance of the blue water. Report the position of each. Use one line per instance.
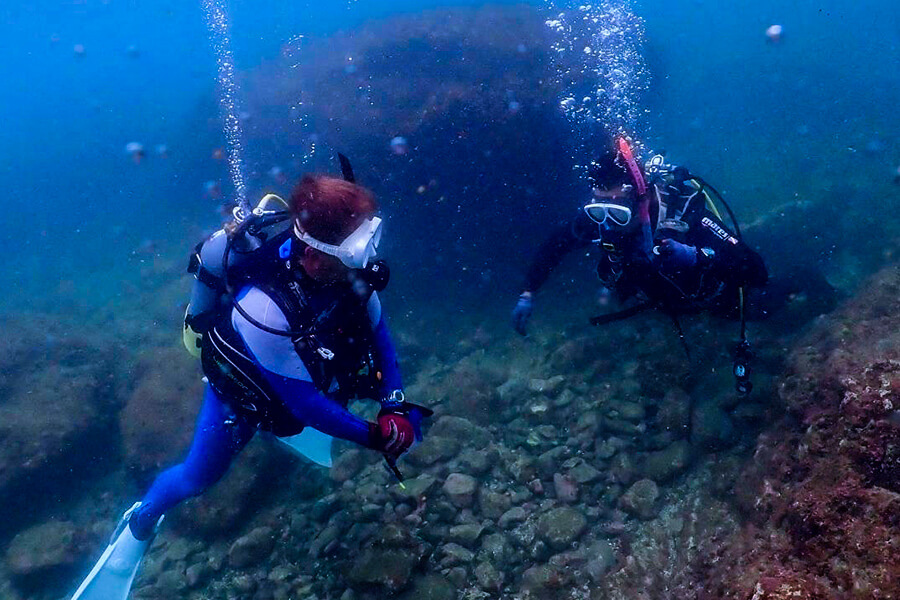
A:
(768, 122)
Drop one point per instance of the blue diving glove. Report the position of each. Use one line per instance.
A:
(522, 312)
(675, 255)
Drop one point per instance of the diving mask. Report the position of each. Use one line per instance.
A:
(600, 212)
(356, 250)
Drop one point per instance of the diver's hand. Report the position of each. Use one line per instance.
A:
(522, 312)
(675, 255)
(394, 433)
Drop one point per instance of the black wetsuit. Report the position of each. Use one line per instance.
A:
(679, 212)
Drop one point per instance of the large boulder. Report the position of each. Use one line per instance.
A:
(59, 395)
(823, 488)
(157, 424)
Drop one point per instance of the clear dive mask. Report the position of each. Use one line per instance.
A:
(601, 212)
(356, 250)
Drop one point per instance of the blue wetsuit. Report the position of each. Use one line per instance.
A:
(221, 433)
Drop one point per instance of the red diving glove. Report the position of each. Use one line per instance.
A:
(394, 434)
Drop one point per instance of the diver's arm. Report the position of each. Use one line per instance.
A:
(287, 374)
(728, 258)
(385, 353)
(571, 236)
(315, 410)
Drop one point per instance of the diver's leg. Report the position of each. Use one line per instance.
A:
(218, 438)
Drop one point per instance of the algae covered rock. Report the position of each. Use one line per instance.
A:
(390, 568)
(561, 527)
(460, 489)
(640, 499)
(253, 548)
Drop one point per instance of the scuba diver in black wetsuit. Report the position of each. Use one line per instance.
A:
(663, 245)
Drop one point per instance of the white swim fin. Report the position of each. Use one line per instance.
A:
(311, 444)
(112, 576)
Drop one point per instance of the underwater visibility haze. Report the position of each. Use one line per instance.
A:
(629, 458)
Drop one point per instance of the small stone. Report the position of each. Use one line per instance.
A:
(460, 489)
(387, 567)
(431, 587)
(584, 473)
(561, 527)
(454, 554)
(465, 535)
(458, 428)
(417, 486)
(178, 549)
(608, 447)
(514, 515)
(522, 469)
(347, 465)
(43, 549)
(488, 577)
(566, 488)
(433, 449)
(541, 581)
(712, 428)
(252, 549)
(628, 411)
(493, 504)
(603, 558)
(476, 462)
(674, 411)
(640, 499)
(495, 548)
(198, 574)
(550, 387)
(665, 464)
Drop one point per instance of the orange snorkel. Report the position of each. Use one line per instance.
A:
(640, 186)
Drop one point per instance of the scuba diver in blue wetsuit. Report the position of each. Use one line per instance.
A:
(663, 244)
(289, 328)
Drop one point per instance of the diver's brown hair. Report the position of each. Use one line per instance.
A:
(328, 208)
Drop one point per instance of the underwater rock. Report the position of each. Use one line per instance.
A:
(495, 548)
(493, 504)
(602, 557)
(712, 428)
(198, 574)
(561, 527)
(626, 410)
(453, 555)
(51, 551)
(430, 586)
(463, 430)
(663, 465)
(584, 473)
(549, 387)
(542, 581)
(390, 568)
(165, 399)
(245, 488)
(465, 535)
(640, 499)
(674, 412)
(460, 489)
(821, 490)
(433, 449)
(488, 577)
(566, 488)
(346, 465)
(517, 514)
(476, 462)
(59, 398)
(252, 549)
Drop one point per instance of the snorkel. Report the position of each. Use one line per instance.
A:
(641, 192)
